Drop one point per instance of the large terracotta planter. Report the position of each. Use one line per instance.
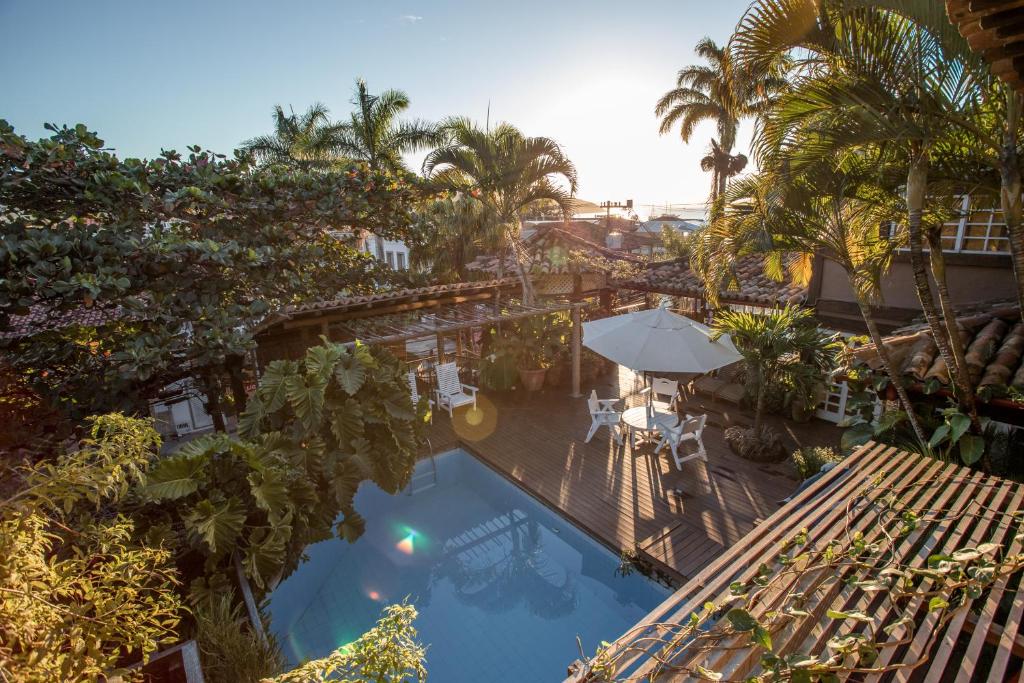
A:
(532, 380)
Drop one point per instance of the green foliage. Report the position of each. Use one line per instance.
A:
(506, 172)
(312, 432)
(387, 653)
(783, 346)
(231, 651)
(183, 253)
(809, 460)
(80, 594)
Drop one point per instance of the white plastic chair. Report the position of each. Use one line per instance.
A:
(603, 415)
(414, 393)
(689, 429)
(450, 392)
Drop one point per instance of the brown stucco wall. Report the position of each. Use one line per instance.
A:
(989, 279)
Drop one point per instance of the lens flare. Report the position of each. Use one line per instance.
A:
(476, 423)
(406, 544)
(373, 595)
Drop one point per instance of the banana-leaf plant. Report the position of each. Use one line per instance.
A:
(312, 432)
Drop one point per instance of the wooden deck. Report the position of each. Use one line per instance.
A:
(680, 520)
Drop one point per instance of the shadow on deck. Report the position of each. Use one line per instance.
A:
(680, 520)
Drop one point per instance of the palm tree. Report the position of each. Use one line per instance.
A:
(714, 92)
(299, 141)
(778, 345)
(722, 166)
(462, 230)
(870, 77)
(824, 209)
(374, 134)
(506, 172)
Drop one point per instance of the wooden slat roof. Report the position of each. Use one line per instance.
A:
(883, 516)
(995, 30)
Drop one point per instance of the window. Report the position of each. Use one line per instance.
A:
(390, 258)
(401, 260)
(978, 230)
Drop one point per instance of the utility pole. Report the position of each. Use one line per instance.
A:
(608, 206)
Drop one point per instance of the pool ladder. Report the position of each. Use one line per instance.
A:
(420, 476)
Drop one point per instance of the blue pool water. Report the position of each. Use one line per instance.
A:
(503, 585)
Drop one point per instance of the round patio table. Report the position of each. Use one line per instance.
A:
(639, 421)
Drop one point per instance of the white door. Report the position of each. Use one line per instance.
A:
(833, 408)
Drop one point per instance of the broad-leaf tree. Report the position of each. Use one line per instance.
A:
(187, 252)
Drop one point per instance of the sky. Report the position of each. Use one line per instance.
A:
(162, 75)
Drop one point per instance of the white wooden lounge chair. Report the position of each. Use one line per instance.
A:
(664, 387)
(603, 415)
(414, 393)
(450, 392)
(688, 429)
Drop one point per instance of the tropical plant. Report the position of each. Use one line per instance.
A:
(387, 653)
(810, 459)
(300, 141)
(776, 345)
(870, 77)
(461, 228)
(373, 134)
(717, 92)
(506, 172)
(831, 208)
(722, 165)
(231, 651)
(78, 593)
(314, 429)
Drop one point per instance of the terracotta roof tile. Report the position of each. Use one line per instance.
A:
(544, 259)
(993, 348)
(389, 297)
(41, 318)
(676, 278)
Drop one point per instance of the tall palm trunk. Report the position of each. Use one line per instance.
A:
(917, 186)
(1010, 188)
(520, 259)
(890, 371)
(762, 400)
(965, 389)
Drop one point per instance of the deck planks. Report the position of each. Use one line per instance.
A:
(682, 520)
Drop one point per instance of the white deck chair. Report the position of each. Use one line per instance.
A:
(664, 387)
(603, 415)
(689, 429)
(450, 392)
(414, 393)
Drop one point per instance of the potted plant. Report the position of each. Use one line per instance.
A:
(531, 355)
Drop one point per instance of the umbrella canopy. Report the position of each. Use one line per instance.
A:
(659, 340)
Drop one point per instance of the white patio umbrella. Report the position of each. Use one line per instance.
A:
(659, 340)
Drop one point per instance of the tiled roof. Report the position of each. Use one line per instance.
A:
(993, 348)
(544, 260)
(42, 318)
(754, 286)
(381, 298)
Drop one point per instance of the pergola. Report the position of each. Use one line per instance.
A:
(392, 318)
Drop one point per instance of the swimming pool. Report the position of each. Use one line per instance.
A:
(502, 583)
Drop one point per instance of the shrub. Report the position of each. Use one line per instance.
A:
(809, 460)
(232, 652)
